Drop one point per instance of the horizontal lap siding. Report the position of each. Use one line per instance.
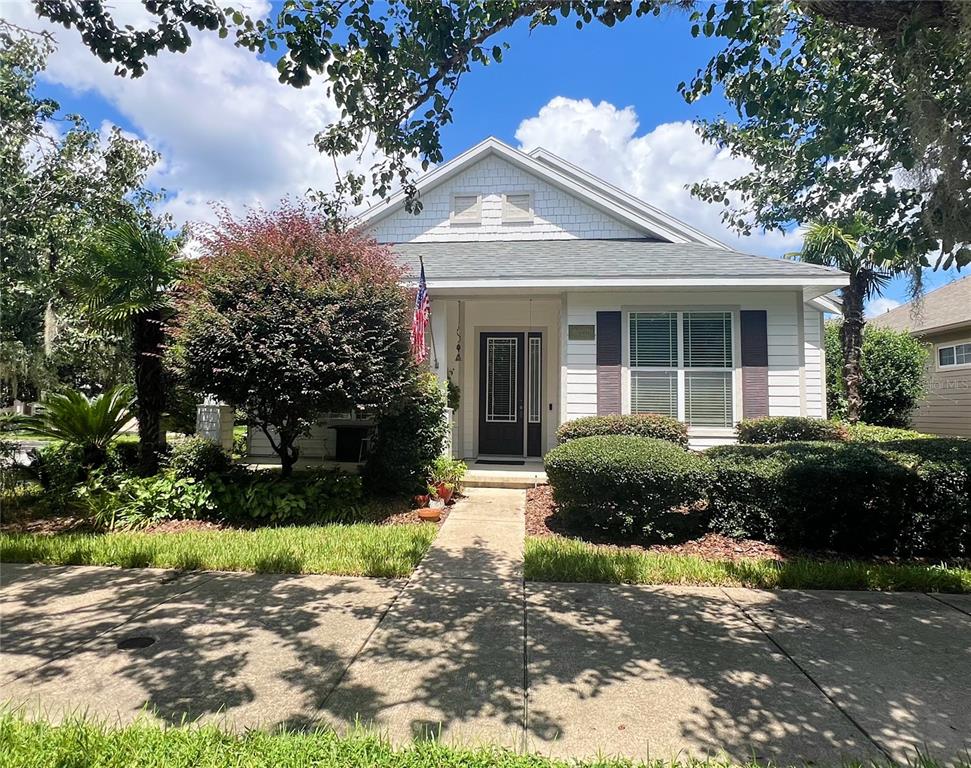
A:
(785, 351)
(319, 445)
(815, 356)
(946, 408)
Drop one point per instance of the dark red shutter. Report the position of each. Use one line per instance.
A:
(755, 363)
(608, 363)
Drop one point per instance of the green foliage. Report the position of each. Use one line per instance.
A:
(120, 502)
(901, 499)
(361, 550)
(636, 425)
(570, 560)
(783, 429)
(57, 187)
(289, 321)
(410, 437)
(893, 375)
(89, 423)
(59, 468)
(445, 469)
(626, 485)
(829, 113)
(454, 394)
(197, 458)
(312, 496)
(239, 441)
(868, 433)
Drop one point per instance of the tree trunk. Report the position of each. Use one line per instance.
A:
(851, 336)
(285, 449)
(147, 341)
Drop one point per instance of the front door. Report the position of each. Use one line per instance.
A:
(501, 396)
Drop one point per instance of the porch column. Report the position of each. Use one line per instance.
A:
(438, 361)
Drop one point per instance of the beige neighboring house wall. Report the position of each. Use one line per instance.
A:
(942, 320)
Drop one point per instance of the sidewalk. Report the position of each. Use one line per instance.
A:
(464, 650)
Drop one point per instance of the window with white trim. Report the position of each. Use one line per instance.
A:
(502, 383)
(535, 379)
(682, 365)
(466, 209)
(517, 208)
(954, 355)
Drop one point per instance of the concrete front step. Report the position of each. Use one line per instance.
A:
(503, 477)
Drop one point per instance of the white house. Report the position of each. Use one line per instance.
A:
(555, 295)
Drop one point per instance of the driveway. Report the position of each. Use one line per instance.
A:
(466, 651)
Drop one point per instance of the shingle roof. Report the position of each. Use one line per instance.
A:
(945, 306)
(592, 259)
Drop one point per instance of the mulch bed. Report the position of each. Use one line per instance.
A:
(542, 520)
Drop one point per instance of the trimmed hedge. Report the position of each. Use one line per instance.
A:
(784, 429)
(625, 485)
(902, 499)
(198, 457)
(652, 425)
(871, 433)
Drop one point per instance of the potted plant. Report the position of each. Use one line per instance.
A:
(445, 477)
(436, 500)
(444, 492)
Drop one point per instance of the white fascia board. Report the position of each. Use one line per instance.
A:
(592, 192)
(646, 209)
(826, 284)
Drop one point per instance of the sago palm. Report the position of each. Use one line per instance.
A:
(91, 423)
(125, 283)
(843, 247)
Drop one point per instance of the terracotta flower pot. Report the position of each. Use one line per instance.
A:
(444, 492)
(421, 500)
(430, 515)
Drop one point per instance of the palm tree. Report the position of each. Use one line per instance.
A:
(125, 284)
(90, 423)
(845, 247)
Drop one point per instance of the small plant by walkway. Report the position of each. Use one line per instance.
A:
(353, 550)
(570, 560)
(79, 742)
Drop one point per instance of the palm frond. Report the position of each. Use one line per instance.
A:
(79, 420)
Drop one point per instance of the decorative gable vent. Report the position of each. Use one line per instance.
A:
(466, 209)
(517, 209)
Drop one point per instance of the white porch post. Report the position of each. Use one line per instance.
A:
(438, 361)
(214, 421)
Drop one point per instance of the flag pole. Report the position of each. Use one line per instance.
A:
(431, 331)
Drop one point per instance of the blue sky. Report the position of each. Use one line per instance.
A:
(605, 99)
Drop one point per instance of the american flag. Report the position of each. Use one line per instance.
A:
(420, 320)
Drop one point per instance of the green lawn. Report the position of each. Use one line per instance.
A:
(360, 550)
(79, 743)
(559, 559)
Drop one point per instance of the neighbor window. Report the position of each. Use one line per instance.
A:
(466, 209)
(517, 209)
(954, 355)
(681, 365)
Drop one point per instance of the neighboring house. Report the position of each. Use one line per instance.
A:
(942, 320)
(555, 295)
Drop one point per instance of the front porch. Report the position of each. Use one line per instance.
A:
(503, 353)
(495, 474)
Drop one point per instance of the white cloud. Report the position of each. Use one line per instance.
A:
(654, 166)
(880, 305)
(226, 128)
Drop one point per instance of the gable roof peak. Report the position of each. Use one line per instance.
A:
(559, 173)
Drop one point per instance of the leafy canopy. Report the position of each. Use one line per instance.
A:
(287, 321)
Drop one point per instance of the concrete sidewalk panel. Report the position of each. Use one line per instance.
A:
(244, 650)
(899, 664)
(48, 611)
(446, 661)
(665, 672)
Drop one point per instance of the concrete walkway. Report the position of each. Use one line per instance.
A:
(466, 651)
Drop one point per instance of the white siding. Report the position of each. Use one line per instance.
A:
(785, 345)
(815, 355)
(319, 445)
(558, 215)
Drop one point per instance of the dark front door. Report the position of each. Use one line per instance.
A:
(501, 396)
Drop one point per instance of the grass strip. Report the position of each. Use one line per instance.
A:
(27, 743)
(570, 560)
(355, 550)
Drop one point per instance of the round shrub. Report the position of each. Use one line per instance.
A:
(197, 458)
(784, 429)
(905, 499)
(634, 425)
(626, 486)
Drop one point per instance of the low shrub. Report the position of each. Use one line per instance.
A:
(905, 499)
(635, 425)
(784, 429)
(625, 485)
(120, 502)
(59, 468)
(311, 496)
(197, 457)
(123, 454)
(871, 433)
